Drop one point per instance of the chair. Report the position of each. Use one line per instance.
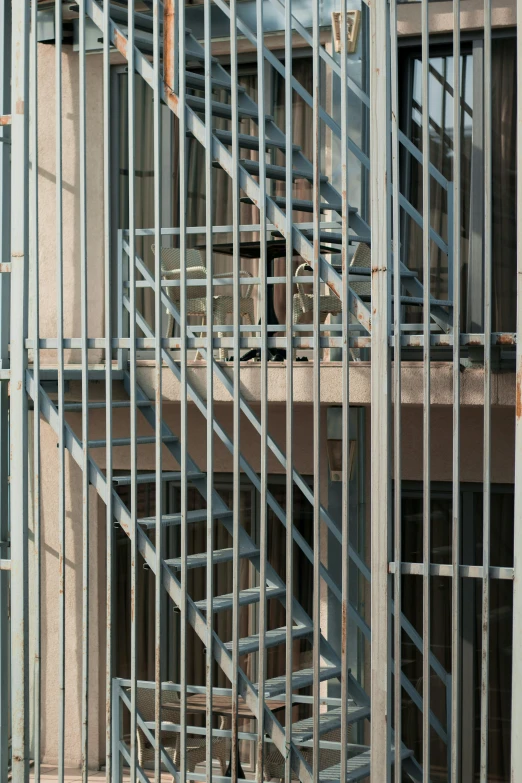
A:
(171, 739)
(223, 305)
(329, 304)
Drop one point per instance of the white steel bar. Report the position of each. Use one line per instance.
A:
(380, 402)
(131, 136)
(263, 471)
(236, 414)
(345, 513)
(112, 765)
(289, 508)
(18, 411)
(159, 530)
(180, 79)
(455, 695)
(426, 418)
(488, 292)
(85, 399)
(397, 392)
(516, 675)
(37, 519)
(58, 26)
(209, 209)
(5, 302)
(316, 386)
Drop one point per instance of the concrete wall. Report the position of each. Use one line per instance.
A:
(71, 196)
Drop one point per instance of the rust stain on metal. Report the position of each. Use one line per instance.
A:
(5, 119)
(506, 339)
(120, 42)
(19, 107)
(168, 44)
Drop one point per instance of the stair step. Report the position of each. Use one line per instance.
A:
(218, 556)
(146, 478)
(300, 205)
(324, 236)
(277, 636)
(303, 730)
(252, 142)
(358, 767)
(277, 172)
(100, 404)
(419, 300)
(223, 110)
(195, 53)
(198, 81)
(249, 596)
(199, 515)
(300, 679)
(142, 440)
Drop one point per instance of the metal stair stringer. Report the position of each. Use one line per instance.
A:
(172, 585)
(246, 182)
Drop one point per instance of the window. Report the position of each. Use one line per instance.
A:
(442, 126)
(501, 616)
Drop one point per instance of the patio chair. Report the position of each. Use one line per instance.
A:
(223, 305)
(329, 304)
(171, 739)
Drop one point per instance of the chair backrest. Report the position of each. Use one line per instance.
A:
(171, 257)
(363, 258)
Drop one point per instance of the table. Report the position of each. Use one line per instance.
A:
(275, 248)
(222, 705)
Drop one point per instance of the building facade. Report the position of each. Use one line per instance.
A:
(260, 464)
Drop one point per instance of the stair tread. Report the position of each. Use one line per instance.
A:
(279, 172)
(300, 679)
(219, 556)
(222, 109)
(252, 142)
(358, 767)
(145, 478)
(141, 440)
(303, 730)
(198, 515)
(250, 595)
(302, 205)
(197, 80)
(272, 638)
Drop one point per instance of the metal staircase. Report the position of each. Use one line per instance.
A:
(302, 625)
(246, 172)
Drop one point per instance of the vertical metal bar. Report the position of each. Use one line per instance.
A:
(289, 509)
(131, 117)
(316, 385)
(236, 489)
(110, 759)
(58, 25)
(18, 413)
(34, 223)
(456, 660)
(345, 568)
(159, 533)
(488, 291)
(5, 302)
(426, 419)
(516, 698)
(380, 403)
(261, 95)
(209, 209)
(183, 173)
(85, 401)
(397, 389)
(116, 730)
